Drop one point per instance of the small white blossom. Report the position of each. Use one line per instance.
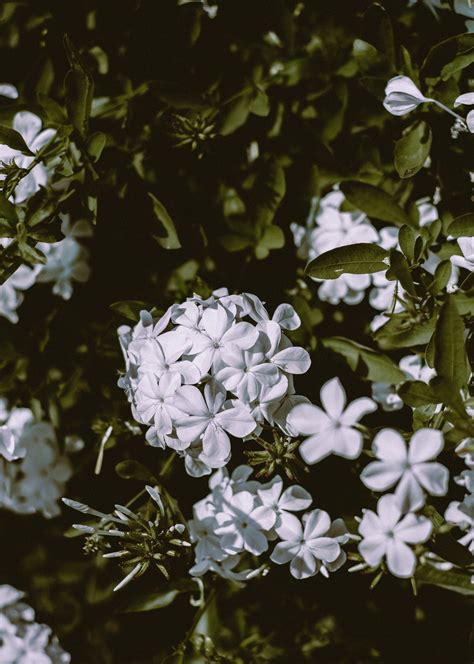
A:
(386, 534)
(22, 640)
(402, 96)
(468, 100)
(330, 431)
(461, 514)
(29, 126)
(412, 468)
(466, 245)
(307, 548)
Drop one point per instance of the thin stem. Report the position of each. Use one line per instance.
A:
(199, 614)
(448, 110)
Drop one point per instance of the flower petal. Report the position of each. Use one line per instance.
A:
(315, 448)
(381, 475)
(373, 549)
(390, 446)
(413, 529)
(357, 409)
(333, 398)
(425, 444)
(433, 477)
(307, 419)
(401, 560)
(389, 511)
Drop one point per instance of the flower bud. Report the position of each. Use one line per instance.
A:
(402, 96)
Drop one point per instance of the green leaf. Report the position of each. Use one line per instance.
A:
(14, 140)
(369, 363)
(233, 242)
(53, 110)
(134, 470)
(95, 145)
(152, 602)
(8, 210)
(465, 303)
(412, 150)
(362, 258)
(441, 277)
(130, 309)
(273, 238)
(375, 202)
(406, 240)
(455, 580)
(416, 393)
(450, 354)
(260, 104)
(235, 114)
(400, 271)
(378, 30)
(445, 546)
(448, 57)
(399, 332)
(171, 240)
(79, 87)
(462, 226)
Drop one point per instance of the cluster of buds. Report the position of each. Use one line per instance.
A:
(142, 541)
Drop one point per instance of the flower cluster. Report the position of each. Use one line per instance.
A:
(22, 640)
(461, 513)
(242, 516)
(66, 261)
(328, 226)
(210, 368)
(33, 471)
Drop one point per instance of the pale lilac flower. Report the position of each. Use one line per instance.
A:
(332, 430)
(412, 468)
(10, 448)
(386, 534)
(468, 100)
(245, 372)
(284, 314)
(308, 548)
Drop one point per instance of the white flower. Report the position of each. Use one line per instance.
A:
(402, 96)
(466, 245)
(8, 90)
(348, 288)
(34, 483)
(29, 126)
(246, 372)
(331, 430)
(11, 295)
(284, 314)
(217, 331)
(66, 260)
(309, 548)
(207, 419)
(161, 357)
(411, 468)
(155, 401)
(279, 503)
(467, 99)
(461, 514)
(23, 641)
(9, 445)
(241, 524)
(387, 534)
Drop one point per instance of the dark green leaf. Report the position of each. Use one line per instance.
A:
(448, 57)
(79, 87)
(375, 202)
(14, 140)
(416, 393)
(371, 364)
(134, 470)
(450, 354)
(462, 226)
(95, 145)
(455, 580)
(400, 271)
(170, 240)
(130, 309)
(441, 277)
(406, 240)
(362, 258)
(412, 150)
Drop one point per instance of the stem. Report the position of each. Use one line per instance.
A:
(199, 614)
(448, 110)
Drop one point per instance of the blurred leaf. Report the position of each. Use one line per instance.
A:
(361, 258)
(130, 309)
(95, 145)
(406, 239)
(399, 270)
(273, 238)
(134, 470)
(455, 580)
(416, 393)
(79, 87)
(152, 602)
(448, 57)
(441, 277)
